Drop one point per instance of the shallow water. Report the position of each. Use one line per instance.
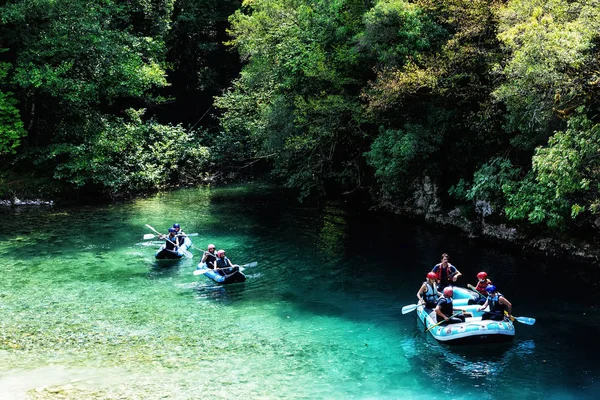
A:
(87, 313)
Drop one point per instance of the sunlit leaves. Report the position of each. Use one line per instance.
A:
(128, 156)
(11, 126)
(551, 45)
(297, 99)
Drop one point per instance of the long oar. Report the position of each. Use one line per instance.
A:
(409, 308)
(433, 326)
(205, 270)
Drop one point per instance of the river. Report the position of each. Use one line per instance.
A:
(87, 313)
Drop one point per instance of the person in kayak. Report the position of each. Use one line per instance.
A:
(445, 310)
(428, 293)
(172, 243)
(498, 305)
(209, 257)
(179, 233)
(224, 266)
(446, 273)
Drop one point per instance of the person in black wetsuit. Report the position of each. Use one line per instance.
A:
(445, 310)
(498, 305)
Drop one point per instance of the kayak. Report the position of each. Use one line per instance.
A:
(474, 330)
(237, 276)
(165, 254)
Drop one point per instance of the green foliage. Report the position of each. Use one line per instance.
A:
(126, 157)
(488, 183)
(80, 55)
(297, 99)
(399, 154)
(565, 179)
(396, 31)
(552, 59)
(11, 126)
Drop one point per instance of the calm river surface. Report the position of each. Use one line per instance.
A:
(87, 313)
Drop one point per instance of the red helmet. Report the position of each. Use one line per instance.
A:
(448, 292)
(482, 275)
(211, 246)
(220, 253)
(431, 275)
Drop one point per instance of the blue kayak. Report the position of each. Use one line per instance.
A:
(175, 254)
(234, 277)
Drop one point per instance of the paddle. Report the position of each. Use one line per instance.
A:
(523, 320)
(205, 270)
(154, 230)
(148, 236)
(433, 326)
(409, 308)
(472, 288)
(185, 253)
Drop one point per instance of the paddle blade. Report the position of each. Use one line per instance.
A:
(187, 254)
(149, 236)
(526, 320)
(200, 271)
(409, 308)
(152, 229)
(252, 264)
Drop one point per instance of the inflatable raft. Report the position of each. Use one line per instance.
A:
(237, 276)
(173, 254)
(474, 330)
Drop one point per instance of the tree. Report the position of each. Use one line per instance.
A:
(297, 99)
(11, 126)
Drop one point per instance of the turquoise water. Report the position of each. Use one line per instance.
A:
(87, 313)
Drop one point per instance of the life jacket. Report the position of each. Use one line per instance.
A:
(222, 262)
(171, 243)
(431, 293)
(445, 304)
(442, 273)
(495, 306)
(482, 285)
(210, 259)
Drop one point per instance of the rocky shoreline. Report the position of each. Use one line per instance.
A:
(426, 204)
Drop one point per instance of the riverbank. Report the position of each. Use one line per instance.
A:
(426, 204)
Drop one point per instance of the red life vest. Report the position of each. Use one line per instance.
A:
(482, 285)
(448, 271)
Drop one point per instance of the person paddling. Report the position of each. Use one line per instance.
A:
(482, 283)
(446, 273)
(498, 305)
(179, 233)
(209, 257)
(445, 310)
(428, 293)
(224, 266)
(171, 239)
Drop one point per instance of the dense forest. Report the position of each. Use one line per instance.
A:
(495, 104)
